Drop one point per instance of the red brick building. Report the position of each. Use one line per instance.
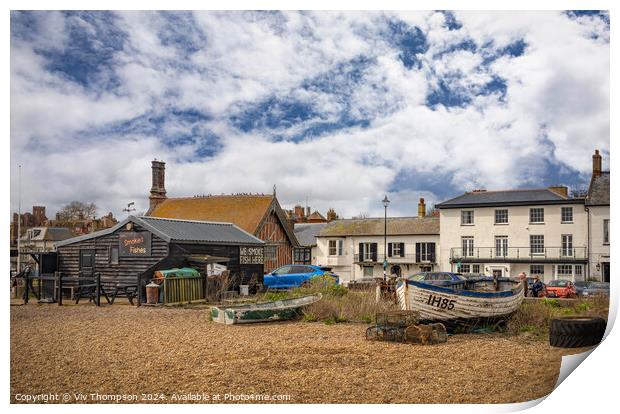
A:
(258, 214)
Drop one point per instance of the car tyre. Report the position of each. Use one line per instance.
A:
(576, 331)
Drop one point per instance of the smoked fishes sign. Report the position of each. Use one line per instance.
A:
(134, 244)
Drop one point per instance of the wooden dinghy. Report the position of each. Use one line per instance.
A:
(466, 303)
(278, 310)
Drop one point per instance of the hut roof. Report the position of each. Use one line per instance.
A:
(246, 211)
(181, 231)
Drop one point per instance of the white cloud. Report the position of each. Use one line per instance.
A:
(556, 108)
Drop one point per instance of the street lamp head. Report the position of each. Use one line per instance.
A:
(386, 202)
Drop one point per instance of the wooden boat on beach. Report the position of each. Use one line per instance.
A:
(278, 310)
(460, 301)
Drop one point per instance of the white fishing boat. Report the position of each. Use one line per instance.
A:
(460, 301)
(278, 310)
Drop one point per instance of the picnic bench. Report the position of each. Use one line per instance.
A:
(123, 291)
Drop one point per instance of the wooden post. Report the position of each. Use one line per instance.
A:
(26, 288)
(98, 289)
(59, 284)
(139, 290)
(206, 287)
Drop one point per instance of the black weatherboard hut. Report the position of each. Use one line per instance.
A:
(129, 253)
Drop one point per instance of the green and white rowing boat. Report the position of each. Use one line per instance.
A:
(279, 310)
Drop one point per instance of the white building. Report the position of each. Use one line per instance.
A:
(307, 252)
(355, 248)
(540, 232)
(597, 209)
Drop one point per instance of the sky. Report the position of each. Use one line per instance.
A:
(336, 109)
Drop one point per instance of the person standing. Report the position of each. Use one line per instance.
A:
(537, 287)
(523, 279)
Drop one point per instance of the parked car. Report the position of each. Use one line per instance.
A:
(437, 278)
(292, 276)
(561, 289)
(530, 283)
(585, 289)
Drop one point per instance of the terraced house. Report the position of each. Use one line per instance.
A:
(355, 248)
(597, 208)
(542, 232)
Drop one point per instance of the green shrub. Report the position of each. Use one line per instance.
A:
(536, 316)
(367, 318)
(551, 302)
(582, 307)
(309, 317)
(271, 296)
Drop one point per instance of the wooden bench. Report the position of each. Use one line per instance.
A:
(123, 291)
(89, 291)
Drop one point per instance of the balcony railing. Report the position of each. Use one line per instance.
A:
(519, 253)
(378, 258)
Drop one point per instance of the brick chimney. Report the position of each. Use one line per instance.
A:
(421, 208)
(560, 190)
(597, 164)
(158, 189)
(299, 212)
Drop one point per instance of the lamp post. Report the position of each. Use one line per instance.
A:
(386, 203)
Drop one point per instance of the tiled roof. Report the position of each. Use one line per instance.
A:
(506, 197)
(316, 216)
(246, 211)
(598, 193)
(184, 231)
(58, 233)
(306, 233)
(49, 234)
(375, 227)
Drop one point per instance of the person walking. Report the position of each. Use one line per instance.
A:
(523, 279)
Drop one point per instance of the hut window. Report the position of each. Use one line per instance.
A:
(114, 255)
(271, 252)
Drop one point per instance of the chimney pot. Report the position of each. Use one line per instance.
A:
(597, 164)
(158, 188)
(421, 208)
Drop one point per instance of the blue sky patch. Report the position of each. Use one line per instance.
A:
(410, 41)
(88, 59)
(278, 113)
(601, 14)
(450, 20)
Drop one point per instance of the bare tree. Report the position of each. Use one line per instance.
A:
(77, 210)
(361, 215)
(332, 215)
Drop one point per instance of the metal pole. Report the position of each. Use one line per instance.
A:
(19, 216)
(385, 243)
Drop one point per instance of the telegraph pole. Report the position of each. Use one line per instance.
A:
(19, 216)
